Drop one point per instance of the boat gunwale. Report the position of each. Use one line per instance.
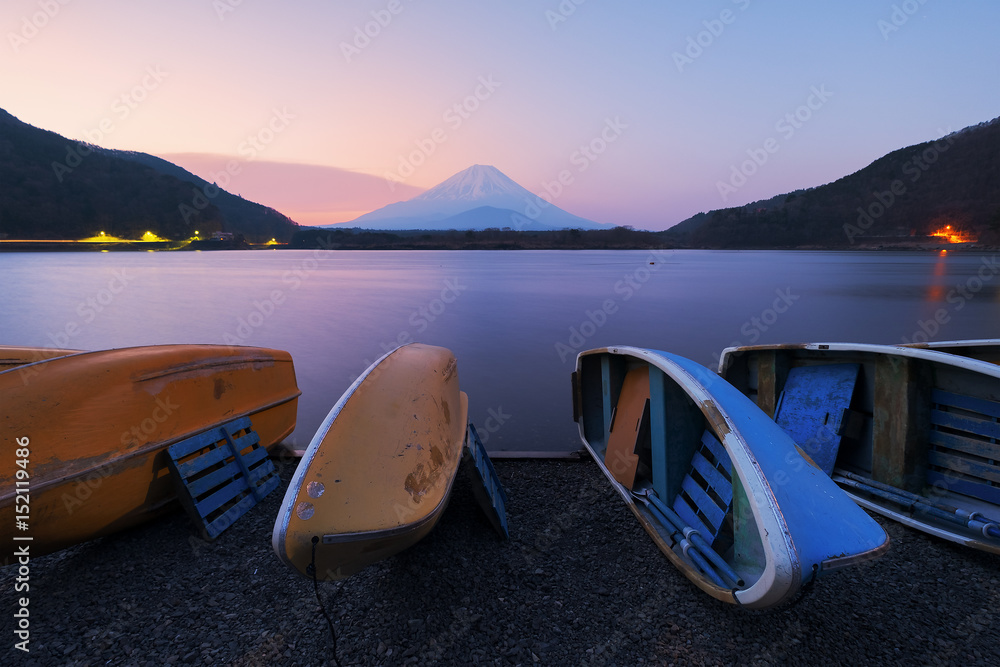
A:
(119, 351)
(280, 531)
(922, 353)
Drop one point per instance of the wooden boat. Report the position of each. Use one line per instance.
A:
(377, 475)
(984, 349)
(909, 433)
(96, 425)
(723, 491)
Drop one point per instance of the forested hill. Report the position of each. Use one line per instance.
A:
(52, 187)
(908, 194)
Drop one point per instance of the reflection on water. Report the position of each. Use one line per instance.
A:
(513, 319)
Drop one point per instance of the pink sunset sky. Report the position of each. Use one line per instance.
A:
(329, 110)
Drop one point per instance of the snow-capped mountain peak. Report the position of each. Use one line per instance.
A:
(477, 182)
(477, 197)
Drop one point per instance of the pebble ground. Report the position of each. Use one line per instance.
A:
(579, 583)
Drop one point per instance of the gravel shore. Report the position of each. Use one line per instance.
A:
(578, 583)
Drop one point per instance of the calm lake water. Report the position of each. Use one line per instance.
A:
(513, 318)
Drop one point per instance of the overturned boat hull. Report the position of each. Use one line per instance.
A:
(377, 475)
(95, 427)
(12, 356)
(723, 492)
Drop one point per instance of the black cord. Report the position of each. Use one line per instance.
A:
(805, 588)
(311, 569)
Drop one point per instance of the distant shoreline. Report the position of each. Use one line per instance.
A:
(619, 238)
(76, 246)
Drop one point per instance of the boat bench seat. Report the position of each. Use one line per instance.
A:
(220, 474)
(706, 495)
(964, 445)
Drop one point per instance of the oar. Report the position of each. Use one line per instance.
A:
(956, 515)
(687, 547)
(670, 519)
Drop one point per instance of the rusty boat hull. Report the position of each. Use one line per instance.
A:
(95, 426)
(376, 477)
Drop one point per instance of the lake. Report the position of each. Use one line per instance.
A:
(514, 319)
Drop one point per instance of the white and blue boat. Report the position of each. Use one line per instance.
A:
(983, 349)
(722, 490)
(912, 433)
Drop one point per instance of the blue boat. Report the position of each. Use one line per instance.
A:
(912, 433)
(722, 490)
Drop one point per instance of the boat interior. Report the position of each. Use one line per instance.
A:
(912, 424)
(657, 442)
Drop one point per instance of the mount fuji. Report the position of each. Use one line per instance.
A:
(479, 197)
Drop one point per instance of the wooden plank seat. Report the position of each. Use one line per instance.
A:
(706, 494)
(964, 445)
(220, 474)
(812, 408)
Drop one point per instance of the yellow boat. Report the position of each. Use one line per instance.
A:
(92, 429)
(377, 475)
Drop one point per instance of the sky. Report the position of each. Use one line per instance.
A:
(626, 113)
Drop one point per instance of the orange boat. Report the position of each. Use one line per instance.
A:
(92, 428)
(13, 356)
(377, 475)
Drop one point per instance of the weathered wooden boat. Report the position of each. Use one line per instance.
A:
(910, 433)
(983, 349)
(377, 475)
(95, 426)
(723, 491)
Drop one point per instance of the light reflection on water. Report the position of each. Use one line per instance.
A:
(502, 313)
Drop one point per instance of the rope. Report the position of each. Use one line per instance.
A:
(311, 569)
